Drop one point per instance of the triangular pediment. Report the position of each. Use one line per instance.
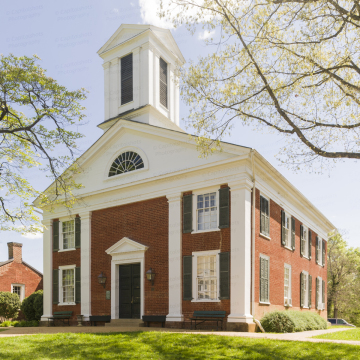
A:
(125, 245)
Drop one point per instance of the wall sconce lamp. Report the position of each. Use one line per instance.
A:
(102, 279)
(150, 275)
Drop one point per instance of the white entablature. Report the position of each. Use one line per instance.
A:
(148, 45)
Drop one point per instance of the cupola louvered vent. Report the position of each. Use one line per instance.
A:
(126, 79)
(163, 83)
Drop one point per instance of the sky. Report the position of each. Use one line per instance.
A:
(66, 36)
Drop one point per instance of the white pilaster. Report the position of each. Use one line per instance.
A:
(106, 67)
(47, 263)
(136, 77)
(240, 282)
(175, 298)
(114, 79)
(85, 264)
(147, 75)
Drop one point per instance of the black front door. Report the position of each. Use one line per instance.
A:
(129, 291)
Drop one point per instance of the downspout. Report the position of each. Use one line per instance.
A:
(253, 237)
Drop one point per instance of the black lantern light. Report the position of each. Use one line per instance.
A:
(102, 279)
(150, 275)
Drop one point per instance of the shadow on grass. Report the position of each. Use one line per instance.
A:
(160, 345)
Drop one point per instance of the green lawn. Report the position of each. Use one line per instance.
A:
(353, 334)
(160, 345)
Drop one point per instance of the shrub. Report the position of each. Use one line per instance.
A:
(32, 306)
(292, 321)
(23, 323)
(9, 305)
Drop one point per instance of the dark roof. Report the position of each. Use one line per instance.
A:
(6, 262)
(123, 114)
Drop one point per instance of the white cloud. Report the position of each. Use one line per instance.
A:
(204, 35)
(149, 14)
(32, 236)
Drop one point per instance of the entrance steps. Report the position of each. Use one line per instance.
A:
(125, 323)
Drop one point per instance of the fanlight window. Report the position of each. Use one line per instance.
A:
(127, 161)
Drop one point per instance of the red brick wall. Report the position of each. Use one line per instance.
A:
(145, 222)
(213, 240)
(18, 273)
(279, 255)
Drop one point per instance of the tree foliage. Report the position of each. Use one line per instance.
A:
(291, 66)
(32, 306)
(37, 116)
(343, 294)
(9, 305)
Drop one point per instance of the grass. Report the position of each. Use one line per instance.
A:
(160, 345)
(353, 334)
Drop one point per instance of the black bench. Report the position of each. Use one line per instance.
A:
(94, 319)
(154, 318)
(201, 316)
(61, 315)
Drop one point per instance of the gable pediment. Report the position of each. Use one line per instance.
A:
(125, 245)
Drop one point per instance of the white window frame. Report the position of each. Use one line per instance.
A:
(306, 249)
(22, 290)
(289, 298)
(268, 199)
(61, 239)
(61, 268)
(268, 259)
(195, 255)
(320, 304)
(306, 300)
(195, 216)
(288, 241)
(319, 251)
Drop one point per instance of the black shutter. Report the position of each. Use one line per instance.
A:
(187, 278)
(323, 292)
(126, 79)
(187, 214)
(224, 208)
(317, 250)
(55, 231)
(77, 285)
(323, 252)
(302, 292)
(262, 218)
(55, 286)
(317, 294)
(163, 83)
(283, 241)
(293, 234)
(310, 289)
(301, 240)
(77, 232)
(224, 258)
(310, 244)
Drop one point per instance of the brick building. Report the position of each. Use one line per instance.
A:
(226, 232)
(17, 276)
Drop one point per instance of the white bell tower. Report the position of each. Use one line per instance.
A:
(140, 76)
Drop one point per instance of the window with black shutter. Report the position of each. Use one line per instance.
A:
(187, 214)
(310, 244)
(77, 285)
(55, 286)
(126, 79)
(264, 216)
(224, 275)
(163, 83)
(224, 208)
(77, 232)
(55, 230)
(323, 253)
(187, 278)
(310, 290)
(293, 234)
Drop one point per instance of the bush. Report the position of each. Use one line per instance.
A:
(9, 305)
(292, 321)
(19, 323)
(32, 306)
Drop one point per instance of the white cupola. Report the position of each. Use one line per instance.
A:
(139, 76)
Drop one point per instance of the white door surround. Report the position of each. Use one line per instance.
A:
(126, 251)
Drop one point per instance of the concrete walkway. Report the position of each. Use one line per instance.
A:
(300, 336)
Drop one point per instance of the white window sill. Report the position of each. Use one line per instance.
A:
(264, 303)
(289, 248)
(64, 250)
(66, 304)
(204, 231)
(306, 307)
(205, 300)
(286, 305)
(265, 236)
(306, 257)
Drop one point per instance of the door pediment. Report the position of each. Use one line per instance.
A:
(126, 245)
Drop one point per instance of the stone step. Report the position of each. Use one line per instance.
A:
(126, 323)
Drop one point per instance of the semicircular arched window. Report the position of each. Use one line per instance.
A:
(127, 161)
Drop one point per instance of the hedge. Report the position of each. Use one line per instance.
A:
(32, 306)
(292, 321)
(9, 305)
(20, 323)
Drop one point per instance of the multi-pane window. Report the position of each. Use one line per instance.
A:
(126, 79)
(306, 290)
(264, 216)
(287, 229)
(206, 211)
(287, 285)
(304, 242)
(68, 234)
(206, 279)
(319, 251)
(68, 285)
(264, 278)
(320, 293)
(126, 162)
(17, 290)
(163, 83)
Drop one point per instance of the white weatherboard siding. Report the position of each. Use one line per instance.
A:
(47, 277)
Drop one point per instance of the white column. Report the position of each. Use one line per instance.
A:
(136, 77)
(114, 79)
(106, 67)
(175, 298)
(85, 264)
(240, 281)
(48, 271)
